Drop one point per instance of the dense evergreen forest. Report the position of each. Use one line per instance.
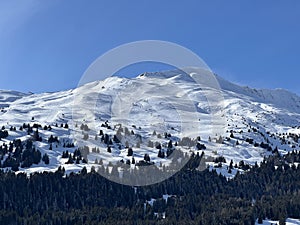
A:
(271, 190)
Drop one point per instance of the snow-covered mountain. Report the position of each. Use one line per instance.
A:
(7, 97)
(239, 123)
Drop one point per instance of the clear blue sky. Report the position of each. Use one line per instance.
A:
(47, 45)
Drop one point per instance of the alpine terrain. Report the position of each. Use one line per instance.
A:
(219, 153)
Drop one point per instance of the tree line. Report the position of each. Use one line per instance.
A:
(270, 190)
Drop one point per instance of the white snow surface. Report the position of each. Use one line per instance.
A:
(289, 221)
(166, 101)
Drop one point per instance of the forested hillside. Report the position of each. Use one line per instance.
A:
(271, 190)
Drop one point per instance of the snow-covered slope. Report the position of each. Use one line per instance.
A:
(237, 126)
(7, 97)
(288, 222)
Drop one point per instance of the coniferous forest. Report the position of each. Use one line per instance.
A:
(270, 190)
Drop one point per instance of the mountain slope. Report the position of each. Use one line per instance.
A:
(244, 124)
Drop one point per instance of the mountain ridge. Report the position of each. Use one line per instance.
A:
(224, 84)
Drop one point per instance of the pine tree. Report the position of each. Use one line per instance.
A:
(70, 160)
(161, 154)
(147, 157)
(282, 221)
(170, 144)
(37, 157)
(130, 152)
(83, 171)
(46, 159)
(260, 220)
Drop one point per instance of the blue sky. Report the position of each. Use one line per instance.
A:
(47, 45)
